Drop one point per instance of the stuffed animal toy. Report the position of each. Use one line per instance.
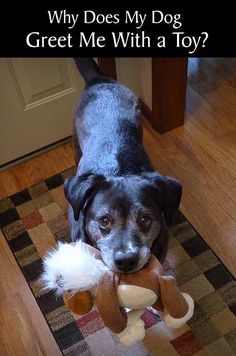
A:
(77, 272)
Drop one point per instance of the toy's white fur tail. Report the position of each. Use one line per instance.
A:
(71, 267)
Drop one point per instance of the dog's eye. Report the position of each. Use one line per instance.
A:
(145, 222)
(105, 221)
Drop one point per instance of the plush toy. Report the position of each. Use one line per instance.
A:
(77, 272)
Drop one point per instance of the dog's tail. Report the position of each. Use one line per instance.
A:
(88, 68)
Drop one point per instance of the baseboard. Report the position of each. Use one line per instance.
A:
(146, 111)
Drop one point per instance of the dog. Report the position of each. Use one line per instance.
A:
(117, 202)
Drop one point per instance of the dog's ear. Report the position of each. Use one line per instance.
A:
(172, 193)
(79, 189)
(169, 195)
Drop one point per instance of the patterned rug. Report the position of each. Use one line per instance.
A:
(35, 218)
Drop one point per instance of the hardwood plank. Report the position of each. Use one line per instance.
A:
(217, 70)
(24, 330)
(209, 206)
(35, 170)
(8, 183)
(202, 154)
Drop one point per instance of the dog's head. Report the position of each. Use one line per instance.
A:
(122, 216)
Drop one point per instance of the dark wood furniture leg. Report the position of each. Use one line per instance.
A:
(169, 81)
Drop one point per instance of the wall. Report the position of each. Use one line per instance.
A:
(136, 74)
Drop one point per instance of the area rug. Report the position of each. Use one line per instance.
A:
(34, 219)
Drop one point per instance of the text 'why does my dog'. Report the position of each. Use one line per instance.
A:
(129, 17)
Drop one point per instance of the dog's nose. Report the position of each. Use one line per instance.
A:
(126, 261)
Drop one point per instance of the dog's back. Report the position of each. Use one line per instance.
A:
(107, 125)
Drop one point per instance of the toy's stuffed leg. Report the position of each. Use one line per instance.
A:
(135, 329)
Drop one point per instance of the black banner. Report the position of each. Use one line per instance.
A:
(160, 31)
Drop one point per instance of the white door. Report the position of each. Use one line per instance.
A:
(37, 103)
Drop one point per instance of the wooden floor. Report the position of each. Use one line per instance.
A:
(202, 154)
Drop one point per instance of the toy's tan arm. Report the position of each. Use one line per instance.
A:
(171, 297)
(178, 307)
(108, 306)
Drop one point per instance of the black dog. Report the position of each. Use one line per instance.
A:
(117, 202)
